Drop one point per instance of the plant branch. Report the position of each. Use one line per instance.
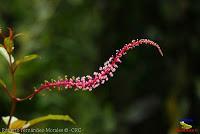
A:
(5, 89)
(13, 107)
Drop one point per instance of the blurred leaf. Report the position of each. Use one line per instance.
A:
(17, 35)
(8, 133)
(26, 59)
(50, 117)
(2, 83)
(4, 53)
(17, 124)
(14, 121)
(6, 119)
(9, 44)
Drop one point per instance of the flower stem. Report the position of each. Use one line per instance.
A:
(90, 82)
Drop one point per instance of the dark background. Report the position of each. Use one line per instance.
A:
(149, 93)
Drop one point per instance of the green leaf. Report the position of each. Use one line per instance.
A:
(8, 133)
(18, 124)
(15, 122)
(2, 83)
(5, 54)
(9, 44)
(6, 119)
(50, 117)
(26, 59)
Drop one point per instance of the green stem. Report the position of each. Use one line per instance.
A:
(13, 107)
(12, 111)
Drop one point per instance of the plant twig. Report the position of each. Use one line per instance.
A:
(5, 89)
(13, 106)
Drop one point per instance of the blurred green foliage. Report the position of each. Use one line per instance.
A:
(148, 94)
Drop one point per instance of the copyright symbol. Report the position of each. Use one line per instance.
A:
(66, 130)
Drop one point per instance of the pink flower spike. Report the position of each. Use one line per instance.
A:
(98, 78)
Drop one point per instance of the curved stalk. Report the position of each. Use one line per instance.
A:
(90, 82)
